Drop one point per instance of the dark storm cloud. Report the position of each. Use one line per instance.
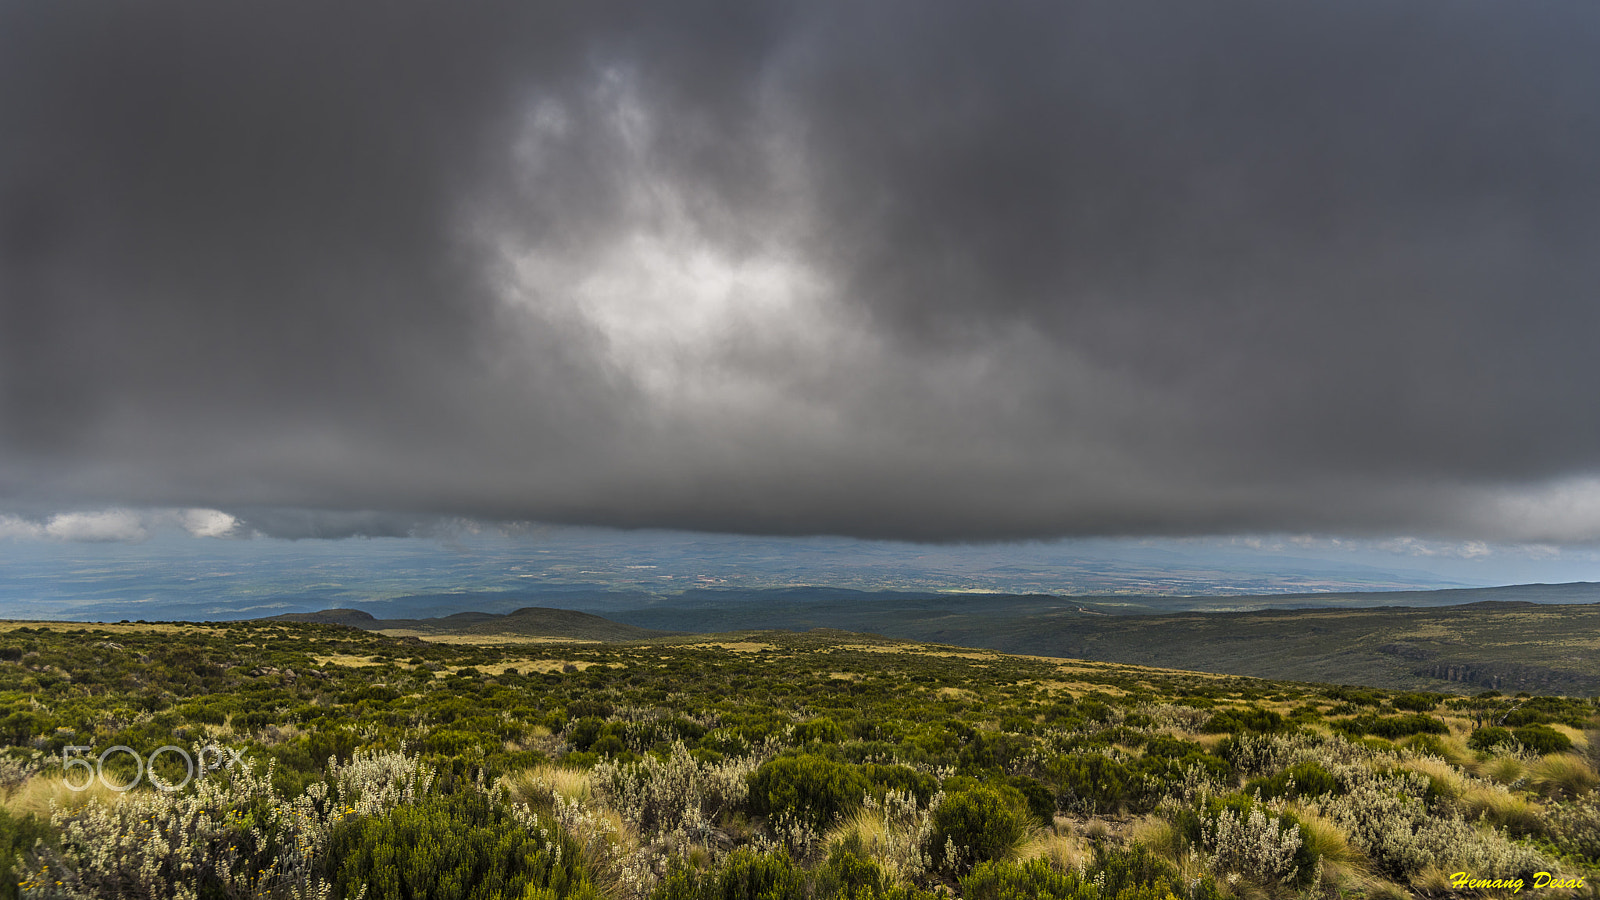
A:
(908, 270)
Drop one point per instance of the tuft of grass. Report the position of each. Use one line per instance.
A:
(1065, 852)
(866, 825)
(540, 785)
(1452, 748)
(1562, 775)
(1343, 866)
(1096, 830)
(43, 793)
(1507, 770)
(1446, 779)
(1159, 836)
(1386, 890)
(1503, 809)
(1433, 881)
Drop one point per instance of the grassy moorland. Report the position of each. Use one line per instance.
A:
(758, 765)
(1509, 645)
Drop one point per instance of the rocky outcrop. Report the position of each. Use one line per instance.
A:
(1506, 676)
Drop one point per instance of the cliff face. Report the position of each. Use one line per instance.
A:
(1505, 676)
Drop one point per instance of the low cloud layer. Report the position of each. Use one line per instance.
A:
(921, 271)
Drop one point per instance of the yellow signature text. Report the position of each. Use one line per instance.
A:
(1541, 880)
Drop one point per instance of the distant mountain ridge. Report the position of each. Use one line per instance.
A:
(1520, 637)
(530, 621)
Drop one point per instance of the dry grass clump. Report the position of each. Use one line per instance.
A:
(1342, 864)
(895, 833)
(1065, 852)
(1433, 881)
(540, 785)
(1501, 808)
(41, 794)
(1562, 775)
(1445, 778)
(1159, 836)
(1452, 747)
(1507, 770)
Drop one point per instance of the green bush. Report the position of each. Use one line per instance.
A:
(1303, 779)
(1090, 782)
(822, 731)
(1391, 727)
(903, 778)
(18, 834)
(458, 847)
(1250, 718)
(1542, 739)
(1538, 738)
(1135, 874)
(1040, 800)
(745, 875)
(807, 788)
(980, 824)
(1167, 760)
(1417, 701)
(1252, 833)
(1487, 739)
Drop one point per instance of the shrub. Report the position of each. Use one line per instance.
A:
(1542, 739)
(1574, 828)
(1391, 727)
(895, 831)
(1417, 702)
(1239, 838)
(18, 834)
(1486, 739)
(1431, 745)
(824, 731)
(1250, 718)
(903, 778)
(228, 835)
(1090, 782)
(745, 875)
(1040, 801)
(1135, 874)
(851, 874)
(463, 846)
(1386, 819)
(806, 788)
(679, 793)
(1032, 880)
(979, 824)
(1303, 779)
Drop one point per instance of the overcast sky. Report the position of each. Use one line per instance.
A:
(923, 270)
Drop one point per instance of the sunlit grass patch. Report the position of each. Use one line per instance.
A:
(540, 785)
(1507, 770)
(1063, 851)
(1562, 775)
(42, 793)
(1342, 864)
(1502, 809)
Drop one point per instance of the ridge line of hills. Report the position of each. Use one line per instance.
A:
(1501, 639)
